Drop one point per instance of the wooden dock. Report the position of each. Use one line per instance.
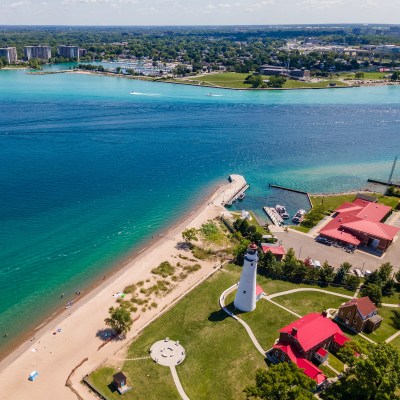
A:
(273, 216)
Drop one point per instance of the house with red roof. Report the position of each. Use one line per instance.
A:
(360, 222)
(310, 337)
(277, 250)
(359, 315)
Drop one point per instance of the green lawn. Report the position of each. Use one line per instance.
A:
(327, 371)
(367, 75)
(293, 84)
(331, 202)
(220, 358)
(394, 299)
(335, 362)
(305, 302)
(396, 342)
(225, 79)
(386, 329)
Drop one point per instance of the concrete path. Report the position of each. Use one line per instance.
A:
(246, 326)
(177, 382)
(286, 309)
(271, 296)
(326, 363)
(366, 338)
(394, 336)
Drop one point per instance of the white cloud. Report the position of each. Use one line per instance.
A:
(320, 4)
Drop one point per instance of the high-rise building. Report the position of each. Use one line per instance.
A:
(69, 52)
(10, 53)
(41, 52)
(246, 296)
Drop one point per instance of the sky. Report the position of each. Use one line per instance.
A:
(197, 12)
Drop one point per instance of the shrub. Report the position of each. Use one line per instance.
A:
(202, 254)
(192, 268)
(165, 269)
(130, 289)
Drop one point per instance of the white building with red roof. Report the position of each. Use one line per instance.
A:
(310, 337)
(360, 222)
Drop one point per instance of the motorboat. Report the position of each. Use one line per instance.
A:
(241, 196)
(299, 216)
(282, 211)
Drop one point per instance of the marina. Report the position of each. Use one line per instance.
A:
(274, 216)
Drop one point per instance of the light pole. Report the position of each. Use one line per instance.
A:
(300, 253)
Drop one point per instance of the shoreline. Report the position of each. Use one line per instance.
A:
(143, 78)
(54, 354)
(119, 265)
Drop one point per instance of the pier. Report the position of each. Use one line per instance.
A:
(242, 186)
(273, 216)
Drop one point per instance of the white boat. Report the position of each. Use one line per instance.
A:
(282, 211)
(299, 216)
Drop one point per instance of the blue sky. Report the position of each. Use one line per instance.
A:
(197, 12)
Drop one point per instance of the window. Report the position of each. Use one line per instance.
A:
(244, 291)
(354, 321)
(277, 353)
(283, 357)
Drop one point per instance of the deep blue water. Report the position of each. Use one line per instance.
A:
(88, 171)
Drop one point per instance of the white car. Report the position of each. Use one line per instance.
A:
(358, 272)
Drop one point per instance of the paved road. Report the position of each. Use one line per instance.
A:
(305, 246)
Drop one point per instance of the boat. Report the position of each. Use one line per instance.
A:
(241, 196)
(282, 211)
(299, 216)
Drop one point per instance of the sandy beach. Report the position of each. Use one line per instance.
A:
(71, 338)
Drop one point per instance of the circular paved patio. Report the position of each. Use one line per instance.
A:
(167, 352)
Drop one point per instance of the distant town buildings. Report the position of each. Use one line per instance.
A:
(41, 52)
(283, 71)
(10, 53)
(68, 51)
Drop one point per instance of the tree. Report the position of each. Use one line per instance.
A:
(189, 235)
(395, 318)
(276, 81)
(120, 320)
(385, 271)
(373, 278)
(352, 282)
(240, 250)
(350, 352)
(340, 276)
(374, 292)
(395, 76)
(326, 273)
(359, 75)
(289, 263)
(283, 381)
(374, 377)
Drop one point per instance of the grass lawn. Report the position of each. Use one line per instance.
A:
(394, 299)
(386, 329)
(220, 358)
(367, 75)
(305, 302)
(389, 201)
(327, 371)
(331, 202)
(225, 79)
(396, 342)
(335, 362)
(293, 84)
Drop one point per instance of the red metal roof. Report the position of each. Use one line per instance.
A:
(362, 216)
(308, 368)
(322, 352)
(312, 330)
(340, 339)
(275, 250)
(373, 228)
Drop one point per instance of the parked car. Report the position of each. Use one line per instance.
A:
(358, 272)
(324, 241)
(367, 272)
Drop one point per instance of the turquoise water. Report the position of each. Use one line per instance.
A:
(89, 172)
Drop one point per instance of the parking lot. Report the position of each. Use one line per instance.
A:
(306, 246)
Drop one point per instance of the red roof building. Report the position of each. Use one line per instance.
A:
(278, 251)
(359, 222)
(306, 338)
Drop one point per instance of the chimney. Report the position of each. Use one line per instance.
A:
(294, 331)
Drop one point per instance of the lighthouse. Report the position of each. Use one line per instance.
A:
(245, 299)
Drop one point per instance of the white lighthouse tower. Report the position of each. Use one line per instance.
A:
(245, 299)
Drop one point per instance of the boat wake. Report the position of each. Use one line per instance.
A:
(145, 94)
